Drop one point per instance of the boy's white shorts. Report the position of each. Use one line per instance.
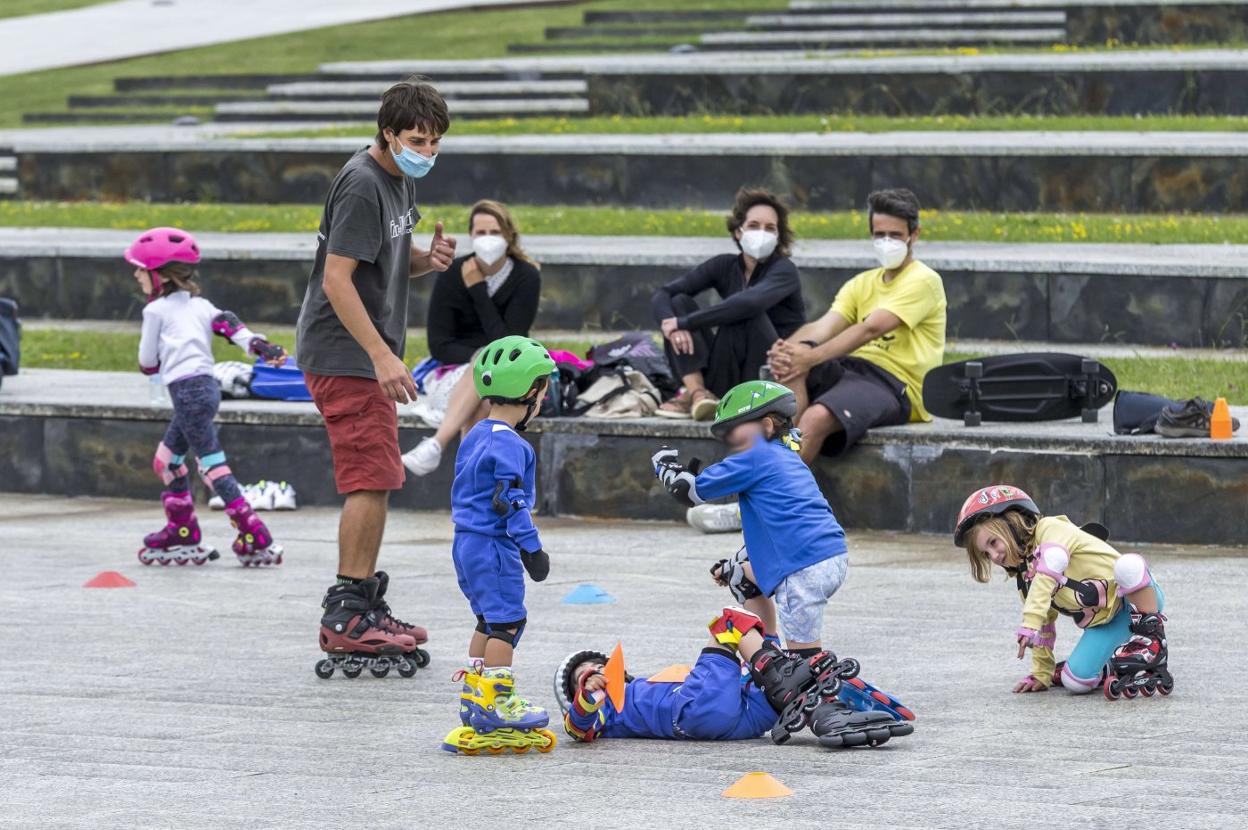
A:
(801, 597)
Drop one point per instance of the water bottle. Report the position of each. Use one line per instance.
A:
(157, 394)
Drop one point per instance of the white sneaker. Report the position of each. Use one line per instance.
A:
(216, 503)
(259, 495)
(714, 518)
(283, 496)
(424, 458)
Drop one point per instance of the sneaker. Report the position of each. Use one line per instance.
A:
(677, 408)
(1191, 420)
(714, 518)
(424, 458)
(259, 495)
(216, 503)
(704, 405)
(284, 497)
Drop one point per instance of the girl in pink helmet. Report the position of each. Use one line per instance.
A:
(178, 326)
(1060, 568)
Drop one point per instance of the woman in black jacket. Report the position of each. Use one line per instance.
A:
(712, 349)
(488, 294)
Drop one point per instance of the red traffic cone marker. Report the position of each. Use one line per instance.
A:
(108, 579)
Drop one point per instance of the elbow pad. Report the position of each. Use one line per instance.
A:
(227, 325)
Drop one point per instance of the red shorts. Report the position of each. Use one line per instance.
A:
(363, 426)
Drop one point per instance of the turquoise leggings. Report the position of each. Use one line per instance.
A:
(1100, 642)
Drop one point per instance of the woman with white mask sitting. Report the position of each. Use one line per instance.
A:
(487, 294)
(712, 349)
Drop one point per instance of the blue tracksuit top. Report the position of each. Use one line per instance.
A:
(787, 523)
(495, 469)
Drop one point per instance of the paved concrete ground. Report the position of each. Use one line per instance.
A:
(190, 701)
(126, 29)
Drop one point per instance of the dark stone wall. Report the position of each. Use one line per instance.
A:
(884, 484)
(1163, 91)
(944, 179)
(1179, 24)
(1060, 308)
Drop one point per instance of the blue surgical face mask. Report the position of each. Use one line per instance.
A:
(412, 163)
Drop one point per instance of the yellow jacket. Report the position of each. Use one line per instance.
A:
(1067, 571)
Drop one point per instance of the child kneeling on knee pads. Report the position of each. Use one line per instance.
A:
(1060, 568)
(712, 703)
(796, 548)
(495, 543)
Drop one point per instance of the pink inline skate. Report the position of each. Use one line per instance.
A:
(254, 545)
(179, 540)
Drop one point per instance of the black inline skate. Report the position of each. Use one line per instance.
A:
(796, 686)
(1139, 667)
(353, 639)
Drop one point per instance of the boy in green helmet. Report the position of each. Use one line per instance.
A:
(796, 548)
(495, 543)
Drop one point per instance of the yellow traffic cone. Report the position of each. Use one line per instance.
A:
(757, 785)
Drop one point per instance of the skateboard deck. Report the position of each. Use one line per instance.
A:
(1019, 387)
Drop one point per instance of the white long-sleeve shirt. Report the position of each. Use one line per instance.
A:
(177, 337)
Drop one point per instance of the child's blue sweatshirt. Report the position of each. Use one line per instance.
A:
(494, 487)
(788, 524)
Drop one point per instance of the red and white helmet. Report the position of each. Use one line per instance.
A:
(991, 501)
(160, 246)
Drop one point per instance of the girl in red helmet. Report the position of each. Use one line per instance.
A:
(1061, 568)
(178, 326)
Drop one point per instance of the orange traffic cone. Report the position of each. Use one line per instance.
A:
(108, 579)
(1220, 423)
(757, 785)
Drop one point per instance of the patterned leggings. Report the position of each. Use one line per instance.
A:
(195, 403)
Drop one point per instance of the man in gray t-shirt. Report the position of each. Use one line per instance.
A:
(349, 343)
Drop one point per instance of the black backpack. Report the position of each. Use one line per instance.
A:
(10, 338)
(638, 350)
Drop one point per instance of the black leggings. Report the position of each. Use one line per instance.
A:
(726, 356)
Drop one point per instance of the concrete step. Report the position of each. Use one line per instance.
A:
(365, 110)
(1126, 295)
(1153, 488)
(816, 39)
(779, 22)
(349, 90)
(8, 174)
(124, 101)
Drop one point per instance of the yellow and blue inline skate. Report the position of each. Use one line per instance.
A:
(495, 718)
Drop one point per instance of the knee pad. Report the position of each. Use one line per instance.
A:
(167, 466)
(213, 467)
(1131, 574)
(1077, 685)
(498, 631)
(733, 624)
(482, 626)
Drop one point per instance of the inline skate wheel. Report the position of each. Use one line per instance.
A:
(422, 658)
(325, 669)
(1111, 688)
(380, 671)
(143, 558)
(1165, 687)
(1130, 691)
(407, 668)
(181, 562)
(550, 742)
(851, 669)
(496, 750)
(352, 671)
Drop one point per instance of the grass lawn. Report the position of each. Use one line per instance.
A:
(1175, 377)
(445, 35)
(616, 124)
(606, 221)
(17, 8)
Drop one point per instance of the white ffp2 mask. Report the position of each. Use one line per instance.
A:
(489, 249)
(890, 252)
(759, 244)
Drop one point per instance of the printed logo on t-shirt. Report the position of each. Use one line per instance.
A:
(403, 225)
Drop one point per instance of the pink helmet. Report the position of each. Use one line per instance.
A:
(991, 501)
(160, 246)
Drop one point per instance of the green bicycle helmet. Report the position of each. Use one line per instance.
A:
(507, 369)
(751, 401)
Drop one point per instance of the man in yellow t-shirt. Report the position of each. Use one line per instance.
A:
(862, 363)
